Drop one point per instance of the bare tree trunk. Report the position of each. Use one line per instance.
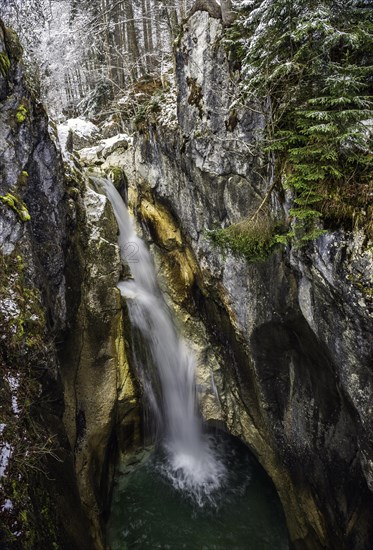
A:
(150, 46)
(173, 21)
(157, 20)
(137, 66)
(145, 34)
(148, 33)
(182, 9)
(106, 42)
(227, 12)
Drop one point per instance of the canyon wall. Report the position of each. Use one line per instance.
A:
(283, 345)
(64, 379)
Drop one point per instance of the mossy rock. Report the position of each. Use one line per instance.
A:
(22, 179)
(13, 44)
(4, 64)
(118, 177)
(196, 95)
(17, 205)
(21, 114)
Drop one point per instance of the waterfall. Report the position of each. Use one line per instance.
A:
(192, 463)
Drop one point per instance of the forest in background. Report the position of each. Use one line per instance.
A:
(85, 53)
(306, 65)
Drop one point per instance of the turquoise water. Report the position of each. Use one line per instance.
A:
(149, 513)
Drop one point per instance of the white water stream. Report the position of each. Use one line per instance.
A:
(192, 463)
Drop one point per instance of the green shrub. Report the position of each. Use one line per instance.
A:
(254, 238)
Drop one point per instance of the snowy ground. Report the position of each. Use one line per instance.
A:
(105, 147)
(83, 129)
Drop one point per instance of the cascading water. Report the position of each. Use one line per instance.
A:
(192, 463)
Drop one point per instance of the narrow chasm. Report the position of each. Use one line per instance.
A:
(189, 475)
(186, 268)
(244, 512)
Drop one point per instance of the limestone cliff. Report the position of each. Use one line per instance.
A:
(286, 358)
(38, 481)
(64, 379)
(98, 391)
(283, 345)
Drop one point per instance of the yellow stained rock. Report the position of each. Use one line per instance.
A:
(167, 233)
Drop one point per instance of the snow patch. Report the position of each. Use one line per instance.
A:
(168, 114)
(8, 505)
(81, 128)
(109, 142)
(9, 309)
(13, 383)
(105, 148)
(5, 454)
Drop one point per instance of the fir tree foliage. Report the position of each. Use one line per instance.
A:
(311, 64)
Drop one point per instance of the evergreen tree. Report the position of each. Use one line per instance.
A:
(312, 63)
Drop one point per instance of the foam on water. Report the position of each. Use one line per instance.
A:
(198, 472)
(148, 513)
(192, 463)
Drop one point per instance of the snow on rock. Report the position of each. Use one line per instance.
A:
(85, 133)
(97, 154)
(91, 155)
(13, 383)
(8, 505)
(5, 454)
(168, 114)
(110, 128)
(10, 310)
(120, 141)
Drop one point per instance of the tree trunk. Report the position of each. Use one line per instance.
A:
(227, 12)
(173, 21)
(150, 45)
(137, 66)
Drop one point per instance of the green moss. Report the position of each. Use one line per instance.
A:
(73, 192)
(255, 240)
(252, 248)
(117, 175)
(22, 179)
(25, 351)
(21, 114)
(362, 285)
(13, 44)
(4, 64)
(74, 177)
(17, 206)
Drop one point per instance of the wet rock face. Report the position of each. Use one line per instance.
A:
(33, 234)
(31, 170)
(292, 335)
(61, 321)
(335, 298)
(97, 387)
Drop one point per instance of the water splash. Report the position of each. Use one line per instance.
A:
(192, 463)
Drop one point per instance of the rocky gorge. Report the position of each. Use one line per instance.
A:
(283, 345)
